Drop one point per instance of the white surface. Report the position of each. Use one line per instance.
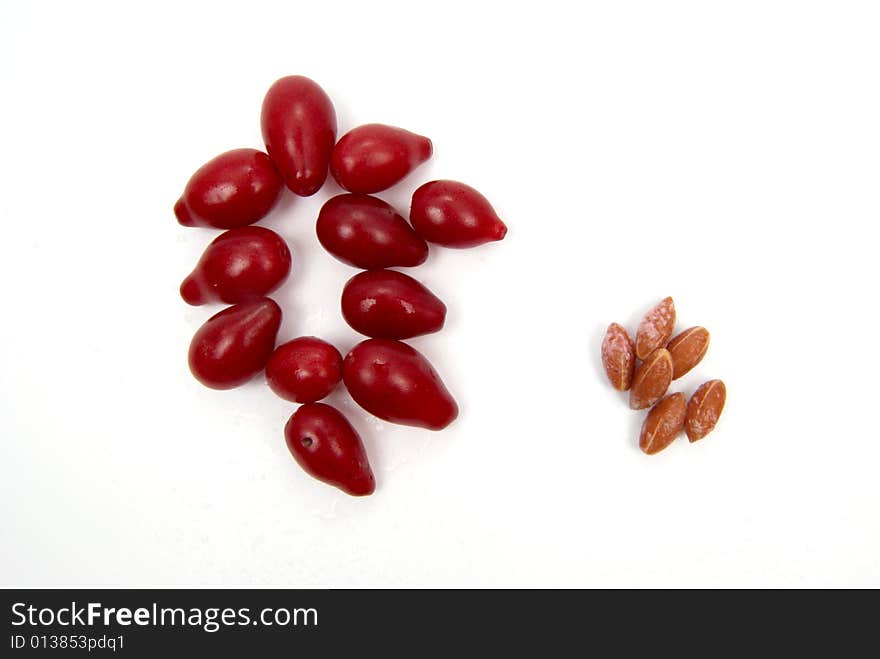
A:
(725, 155)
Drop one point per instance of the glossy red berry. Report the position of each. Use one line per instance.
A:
(328, 448)
(234, 189)
(395, 382)
(239, 265)
(367, 233)
(299, 129)
(304, 370)
(373, 157)
(235, 344)
(453, 214)
(391, 305)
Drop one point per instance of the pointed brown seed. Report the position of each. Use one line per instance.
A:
(687, 350)
(618, 357)
(651, 380)
(704, 408)
(656, 328)
(663, 424)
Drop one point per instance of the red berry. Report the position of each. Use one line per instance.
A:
(395, 382)
(391, 305)
(367, 233)
(374, 157)
(454, 215)
(234, 189)
(326, 446)
(304, 370)
(299, 128)
(239, 265)
(235, 344)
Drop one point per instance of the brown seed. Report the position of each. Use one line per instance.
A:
(663, 424)
(687, 350)
(656, 328)
(618, 357)
(704, 408)
(651, 379)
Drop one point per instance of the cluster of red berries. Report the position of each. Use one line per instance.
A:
(385, 376)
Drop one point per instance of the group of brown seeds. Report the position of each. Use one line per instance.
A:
(647, 366)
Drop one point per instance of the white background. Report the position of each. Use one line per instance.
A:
(727, 154)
